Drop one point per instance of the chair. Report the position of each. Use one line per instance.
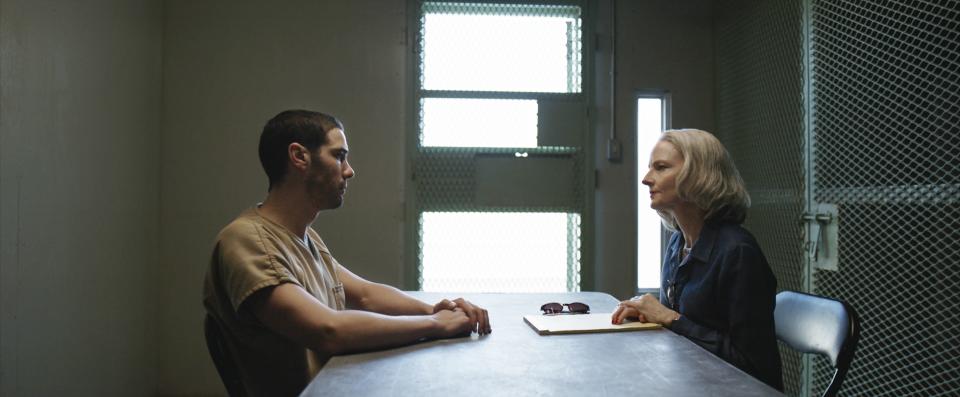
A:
(815, 324)
(220, 353)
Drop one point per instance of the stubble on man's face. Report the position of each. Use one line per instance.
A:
(324, 182)
(326, 179)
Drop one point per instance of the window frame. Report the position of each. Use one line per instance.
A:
(666, 97)
(412, 257)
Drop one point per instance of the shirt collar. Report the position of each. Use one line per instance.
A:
(704, 245)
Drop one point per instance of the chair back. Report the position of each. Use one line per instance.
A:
(819, 325)
(222, 359)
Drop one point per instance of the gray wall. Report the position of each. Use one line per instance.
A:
(79, 132)
(660, 44)
(229, 67)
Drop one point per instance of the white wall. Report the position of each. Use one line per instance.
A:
(228, 67)
(660, 44)
(79, 129)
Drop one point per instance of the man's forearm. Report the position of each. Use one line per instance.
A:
(355, 331)
(382, 298)
(289, 310)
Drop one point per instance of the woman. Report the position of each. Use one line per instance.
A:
(716, 286)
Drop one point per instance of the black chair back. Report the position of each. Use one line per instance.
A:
(819, 325)
(220, 353)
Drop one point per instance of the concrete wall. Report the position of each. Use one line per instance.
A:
(79, 132)
(660, 44)
(228, 67)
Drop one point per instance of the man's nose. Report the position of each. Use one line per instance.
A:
(348, 173)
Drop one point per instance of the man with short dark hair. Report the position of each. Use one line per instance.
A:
(283, 303)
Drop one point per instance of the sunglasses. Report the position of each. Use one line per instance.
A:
(572, 308)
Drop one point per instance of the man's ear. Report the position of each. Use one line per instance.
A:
(299, 156)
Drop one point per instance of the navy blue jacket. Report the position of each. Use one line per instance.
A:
(725, 293)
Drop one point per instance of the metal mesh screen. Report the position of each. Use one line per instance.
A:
(473, 160)
(446, 178)
(446, 182)
(760, 118)
(886, 89)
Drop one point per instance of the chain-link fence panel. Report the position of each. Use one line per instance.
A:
(760, 119)
(886, 95)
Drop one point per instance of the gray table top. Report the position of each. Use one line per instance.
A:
(514, 360)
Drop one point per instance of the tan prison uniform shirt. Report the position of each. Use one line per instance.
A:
(252, 253)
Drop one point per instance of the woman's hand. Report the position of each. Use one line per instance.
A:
(625, 312)
(644, 308)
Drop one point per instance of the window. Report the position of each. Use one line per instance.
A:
(465, 122)
(498, 175)
(497, 47)
(652, 111)
(474, 251)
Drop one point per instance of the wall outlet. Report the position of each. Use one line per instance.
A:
(614, 150)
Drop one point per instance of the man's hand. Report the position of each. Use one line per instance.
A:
(451, 323)
(645, 308)
(479, 319)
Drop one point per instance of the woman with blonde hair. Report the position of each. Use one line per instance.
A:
(716, 286)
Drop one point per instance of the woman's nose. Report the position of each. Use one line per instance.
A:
(647, 180)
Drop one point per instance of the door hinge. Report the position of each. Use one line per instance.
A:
(821, 242)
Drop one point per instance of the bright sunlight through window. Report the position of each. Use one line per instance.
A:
(650, 123)
(459, 122)
(511, 53)
(494, 252)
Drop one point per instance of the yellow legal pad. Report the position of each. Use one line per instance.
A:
(581, 323)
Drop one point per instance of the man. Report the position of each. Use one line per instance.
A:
(282, 301)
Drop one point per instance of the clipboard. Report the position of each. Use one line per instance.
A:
(581, 324)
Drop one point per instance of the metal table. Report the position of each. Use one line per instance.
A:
(516, 361)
